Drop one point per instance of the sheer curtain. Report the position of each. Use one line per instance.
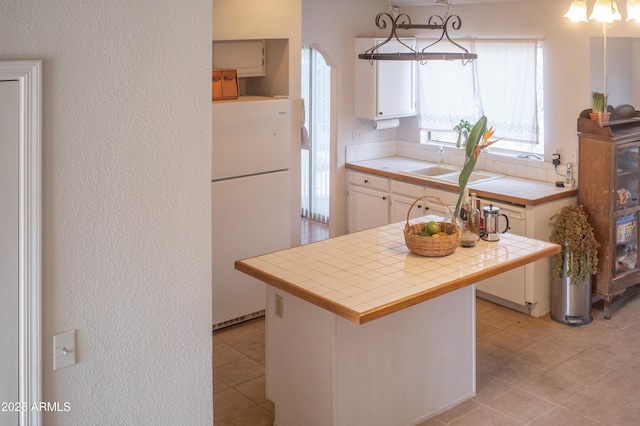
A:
(500, 84)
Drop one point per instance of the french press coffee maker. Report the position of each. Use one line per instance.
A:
(491, 215)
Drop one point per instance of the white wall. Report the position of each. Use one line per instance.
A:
(566, 60)
(126, 204)
(622, 83)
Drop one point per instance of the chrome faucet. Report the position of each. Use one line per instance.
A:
(462, 138)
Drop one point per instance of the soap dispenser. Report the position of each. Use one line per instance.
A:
(441, 156)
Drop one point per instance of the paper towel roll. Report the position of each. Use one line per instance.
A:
(386, 124)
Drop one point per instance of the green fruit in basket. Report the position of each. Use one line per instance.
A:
(424, 234)
(432, 227)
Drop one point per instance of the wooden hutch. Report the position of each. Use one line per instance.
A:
(609, 167)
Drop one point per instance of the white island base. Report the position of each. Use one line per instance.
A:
(401, 369)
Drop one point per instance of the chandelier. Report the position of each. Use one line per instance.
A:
(604, 11)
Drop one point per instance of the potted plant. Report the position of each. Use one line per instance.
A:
(571, 270)
(462, 129)
(599, 110)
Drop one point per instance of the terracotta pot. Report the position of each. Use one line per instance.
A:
(601, 117)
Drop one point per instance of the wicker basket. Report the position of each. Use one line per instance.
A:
(431, 247)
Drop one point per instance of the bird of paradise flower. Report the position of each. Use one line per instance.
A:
(477, 141)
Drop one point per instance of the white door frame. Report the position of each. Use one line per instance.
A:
(29, 76)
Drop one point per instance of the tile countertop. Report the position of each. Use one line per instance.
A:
(369, 274)
(507, 189)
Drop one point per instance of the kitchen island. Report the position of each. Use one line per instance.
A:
(362, 332)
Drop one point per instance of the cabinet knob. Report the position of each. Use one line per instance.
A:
(419, 206)
(366, 181)
(384, 198)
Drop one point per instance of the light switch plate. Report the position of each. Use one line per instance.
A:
(64, 349)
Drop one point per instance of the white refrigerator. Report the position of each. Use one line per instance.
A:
(250, 199)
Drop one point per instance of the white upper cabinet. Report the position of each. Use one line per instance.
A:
(385, 89)
(247, 56)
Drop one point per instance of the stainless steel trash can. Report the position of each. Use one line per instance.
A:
(570, 300)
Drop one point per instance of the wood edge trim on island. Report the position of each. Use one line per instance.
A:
(452, 286)
(367, 316)
(303, 294)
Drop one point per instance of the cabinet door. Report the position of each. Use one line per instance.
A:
(385, 89)
(400, 207)
(626, 210)
(395, 85)
(247, 56)
(436, 207)
(367, 208)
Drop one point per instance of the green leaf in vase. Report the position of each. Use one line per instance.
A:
(472, 153)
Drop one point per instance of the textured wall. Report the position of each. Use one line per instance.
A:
(126, 203)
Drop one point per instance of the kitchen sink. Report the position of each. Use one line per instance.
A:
(432, 171)
(450, 174)
(474, 177)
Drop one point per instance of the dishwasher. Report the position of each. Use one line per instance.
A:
(509, 286)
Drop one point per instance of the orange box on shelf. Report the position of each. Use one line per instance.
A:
(224, 84)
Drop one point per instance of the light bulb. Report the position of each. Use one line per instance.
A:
(578, 11)
(633, 10)
(605, 11)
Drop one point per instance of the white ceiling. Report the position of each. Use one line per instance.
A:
(432, 2)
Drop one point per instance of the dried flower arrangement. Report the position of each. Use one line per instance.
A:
(573, 229)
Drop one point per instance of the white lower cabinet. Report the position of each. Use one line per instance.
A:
(400, 205)
(375, 201)
(448, 198)
(402, 197)
(368, 201)
(368, 208)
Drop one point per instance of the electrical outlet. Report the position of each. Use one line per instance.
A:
(556, 159)
(279, 306)
(357, 134)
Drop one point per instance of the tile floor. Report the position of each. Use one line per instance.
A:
(530, 371)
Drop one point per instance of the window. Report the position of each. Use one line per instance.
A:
(316, 150)
(505, 83)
